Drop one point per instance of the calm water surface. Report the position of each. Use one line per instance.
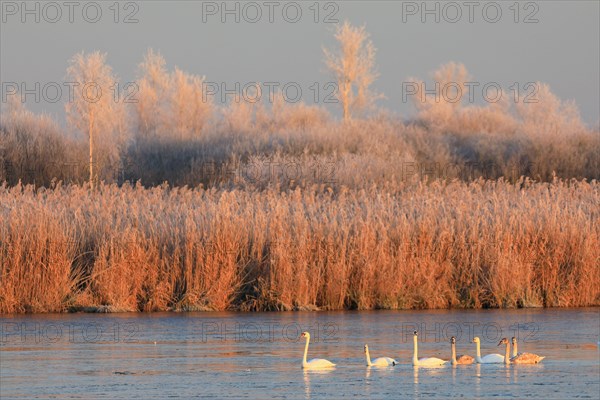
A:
(235, 355)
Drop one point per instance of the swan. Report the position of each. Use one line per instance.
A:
(507, 352)
(514, 344)
(463, 359)
(490, 358)
(523, 358)
(424, 362)
(378, 362)
(315, 363)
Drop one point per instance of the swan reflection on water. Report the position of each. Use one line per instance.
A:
(478, 380)
(314, 372)
(429, 370)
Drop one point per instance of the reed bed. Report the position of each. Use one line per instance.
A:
(440, 244)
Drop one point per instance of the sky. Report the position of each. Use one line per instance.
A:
(505, 44)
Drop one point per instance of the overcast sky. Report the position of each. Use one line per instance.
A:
(556, 42)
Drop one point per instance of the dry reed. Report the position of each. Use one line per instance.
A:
(436, 245)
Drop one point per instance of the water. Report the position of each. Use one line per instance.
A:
(235, 355)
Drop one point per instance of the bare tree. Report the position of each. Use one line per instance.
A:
(353, 67)
(95, 108)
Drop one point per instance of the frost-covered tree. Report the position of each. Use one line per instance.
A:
(543, 113)
(438, 102)
(96, 109)
(353, 67)
(153, 82)
(170, 103)
(189, 110)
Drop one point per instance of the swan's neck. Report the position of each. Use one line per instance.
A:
(305, 352)
(507, 354)
(478, 353)
(454, 354)
(514, 350)
(368, 357)
(416, 350)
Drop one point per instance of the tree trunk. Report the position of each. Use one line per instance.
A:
(346, 93)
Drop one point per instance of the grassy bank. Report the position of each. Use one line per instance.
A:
(436, 245)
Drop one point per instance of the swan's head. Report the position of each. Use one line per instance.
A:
(513, 340)
(305, 335)
(503, 341)
(453, 340)
(475, 340)
(366, 348)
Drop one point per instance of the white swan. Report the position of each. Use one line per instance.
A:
(378, 362)
(490, 358)
(463, 359)
(424, 362)
(315, 363)
(523, 358)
